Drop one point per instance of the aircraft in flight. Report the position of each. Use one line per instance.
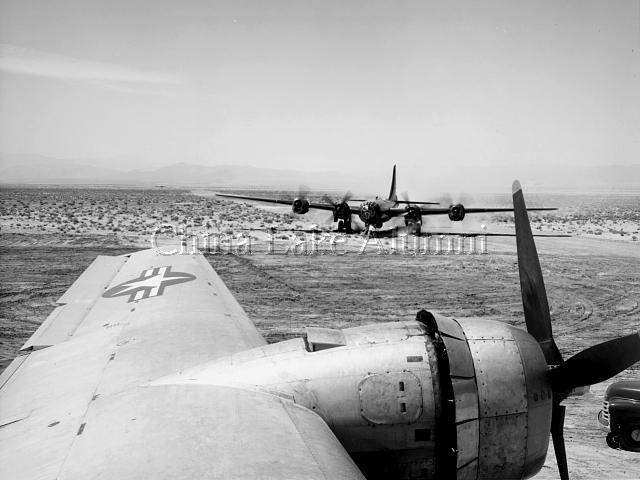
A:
(149, 368)
(376, 212)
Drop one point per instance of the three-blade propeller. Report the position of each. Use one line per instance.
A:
(593, 365)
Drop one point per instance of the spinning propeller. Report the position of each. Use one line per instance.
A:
(593, 365)
(332, 201)
(341, 210)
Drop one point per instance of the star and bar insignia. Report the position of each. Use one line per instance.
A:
(150, 283)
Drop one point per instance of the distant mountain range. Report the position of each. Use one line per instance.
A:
(37, 169)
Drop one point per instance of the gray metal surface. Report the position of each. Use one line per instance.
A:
(75, 303)
(460, 361)
(319, 338)
(500, 378)
(189, 432)
(539, 401)
(502, 446)
(390, 398)
(466, 398)
(328, 382)
(514, 399)
(468, 438)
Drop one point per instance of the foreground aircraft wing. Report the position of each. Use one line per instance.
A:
(80, 403)
(319, 206)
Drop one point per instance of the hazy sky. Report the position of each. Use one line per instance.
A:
(344, 84)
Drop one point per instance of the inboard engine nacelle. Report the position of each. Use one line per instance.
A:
(431, 398)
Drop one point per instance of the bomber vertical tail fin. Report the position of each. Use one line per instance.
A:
(392, 194)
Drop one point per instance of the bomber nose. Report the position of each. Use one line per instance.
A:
(367, 212)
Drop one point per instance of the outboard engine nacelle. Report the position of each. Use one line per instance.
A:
(432, 398)
(341, 211)
(456, 212)
(300, 205)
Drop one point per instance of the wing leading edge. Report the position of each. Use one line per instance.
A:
(317, 206)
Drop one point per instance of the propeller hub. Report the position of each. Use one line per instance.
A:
(369, 212)
(300, 205)
(457, 212)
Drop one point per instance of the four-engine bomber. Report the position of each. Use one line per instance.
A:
(375, 212)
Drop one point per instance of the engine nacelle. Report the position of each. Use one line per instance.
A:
(413, 214)
(341, 211)
(430, 398)
(456, 212)
(300, 205)
(369, 212)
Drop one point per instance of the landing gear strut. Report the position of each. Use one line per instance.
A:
(368, 227)
(345, 225)
(413, 227)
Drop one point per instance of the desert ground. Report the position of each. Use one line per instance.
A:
(50, 235)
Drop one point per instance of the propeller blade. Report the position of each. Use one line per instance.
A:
(327, 199)
(333, 201)
(557, 435)
(596, 364)
(303, 192)
(534, 294)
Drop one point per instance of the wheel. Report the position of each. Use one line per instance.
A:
(630, 438)
(340, 226)
(613, 440)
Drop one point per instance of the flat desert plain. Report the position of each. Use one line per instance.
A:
(593, 281)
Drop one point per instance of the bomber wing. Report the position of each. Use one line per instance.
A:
(409, 202)
(78, 402)
(398, 211)
(440, 211)
(318, 206)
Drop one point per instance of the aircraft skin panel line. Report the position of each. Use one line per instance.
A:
(75, 303)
